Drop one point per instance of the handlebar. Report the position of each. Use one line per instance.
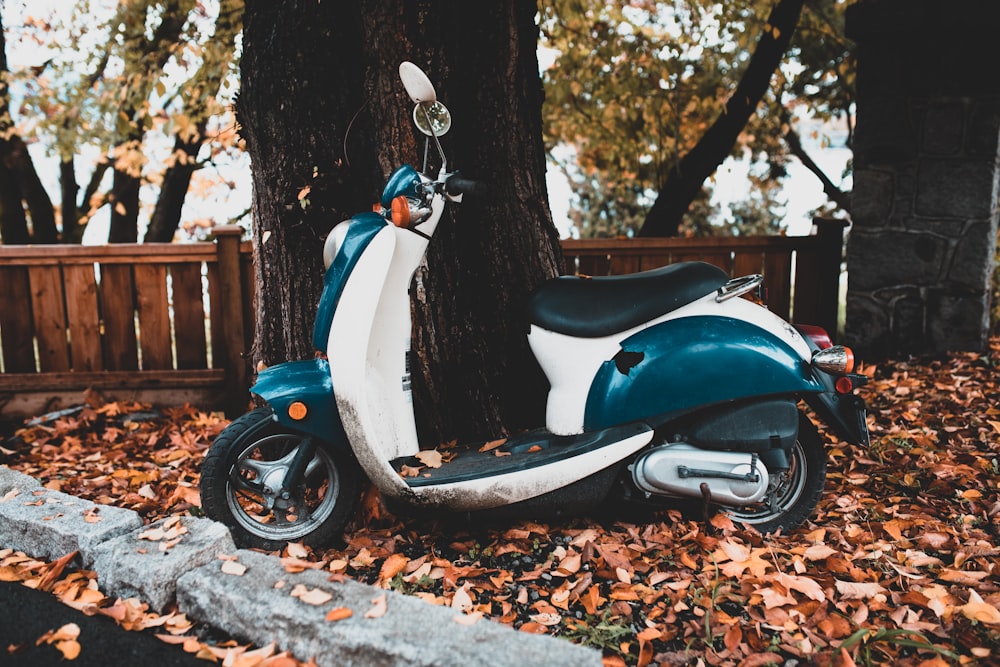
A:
(456, 185)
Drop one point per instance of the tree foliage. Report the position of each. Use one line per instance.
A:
(635, 88)
(129, 97)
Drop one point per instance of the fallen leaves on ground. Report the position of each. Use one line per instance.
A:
(900, 563)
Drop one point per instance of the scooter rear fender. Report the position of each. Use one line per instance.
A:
(306, 382)
(690, 362)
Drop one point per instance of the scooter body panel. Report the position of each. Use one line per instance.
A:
(515, 483)
(689, 362)
(362, 230)
(368, 348)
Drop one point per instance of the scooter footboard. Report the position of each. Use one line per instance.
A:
(301, 395)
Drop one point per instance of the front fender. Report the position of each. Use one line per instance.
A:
(307, 382)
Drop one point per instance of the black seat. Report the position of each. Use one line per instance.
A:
(592, 307)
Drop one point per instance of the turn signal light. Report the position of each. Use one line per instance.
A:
(401, 211)
(837, 360)
(297, 411)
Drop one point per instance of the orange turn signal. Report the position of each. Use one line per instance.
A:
(297, 410)
(401, 211)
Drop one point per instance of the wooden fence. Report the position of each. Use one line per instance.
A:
(167, 323)
(157, 322)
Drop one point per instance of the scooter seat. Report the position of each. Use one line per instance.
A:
(592, 307)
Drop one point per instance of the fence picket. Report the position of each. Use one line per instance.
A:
(83, 317)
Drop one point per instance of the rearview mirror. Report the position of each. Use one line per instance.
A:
(432, 119)
(418, 86)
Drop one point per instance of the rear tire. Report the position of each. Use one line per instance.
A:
(793, 494)
(242, 474)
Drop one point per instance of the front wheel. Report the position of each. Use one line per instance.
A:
(792, 494)
(242, 477)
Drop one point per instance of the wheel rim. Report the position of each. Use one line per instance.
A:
(786, 493)
(257, 474)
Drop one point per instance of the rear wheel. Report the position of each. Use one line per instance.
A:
(792, 494)
(241, 482)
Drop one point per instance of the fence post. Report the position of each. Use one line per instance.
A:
(227, 241)
(830, 237)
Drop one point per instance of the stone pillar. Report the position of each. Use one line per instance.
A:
(921, 252)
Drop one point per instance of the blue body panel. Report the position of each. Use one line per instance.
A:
(364, 227)
(692, 362)
(308, 382)
(403, 181)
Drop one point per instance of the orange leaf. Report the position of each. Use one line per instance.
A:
(69, 648)
(978, 610)
(533, 627)
(339, 614)
(733, 637)
(392, 566)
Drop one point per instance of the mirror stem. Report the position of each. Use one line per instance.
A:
(430, 124)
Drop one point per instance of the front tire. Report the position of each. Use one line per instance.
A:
(242, 475)
(793, 494)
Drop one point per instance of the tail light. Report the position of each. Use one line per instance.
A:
(817, 335)
(834, 359)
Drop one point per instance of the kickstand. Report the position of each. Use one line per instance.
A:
(706, 494)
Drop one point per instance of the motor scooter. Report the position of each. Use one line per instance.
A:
(668, 384)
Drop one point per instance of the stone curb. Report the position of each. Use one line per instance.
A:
(180, 560)
(265, 604)
(50, 524)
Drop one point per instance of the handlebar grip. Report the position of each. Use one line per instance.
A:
(456, 185)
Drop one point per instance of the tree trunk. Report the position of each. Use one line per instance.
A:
(309, 72)
(480, 379)
(13, 221)
(21, 181)
(68, 189)
(685, 180)
(173, 191)
(124, 200)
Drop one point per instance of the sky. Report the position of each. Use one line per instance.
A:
(802, 191)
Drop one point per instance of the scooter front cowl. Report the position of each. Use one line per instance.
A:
(301, 395)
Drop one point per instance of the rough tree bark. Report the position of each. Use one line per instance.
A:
(309, 72)
(20, 186)
(685, 180)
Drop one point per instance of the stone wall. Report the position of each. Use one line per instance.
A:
(921, 252)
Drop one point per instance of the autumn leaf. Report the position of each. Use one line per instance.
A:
(980, 611)
(853, 590)
(378, 607)
(312, 596)
(430, 458)
(339, 614)
(234, 568)
(392, 566)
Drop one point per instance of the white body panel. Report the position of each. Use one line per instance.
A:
(570, 363)
(367, 349)
(499, 490)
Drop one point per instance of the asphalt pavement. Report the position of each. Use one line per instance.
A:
(27, 615)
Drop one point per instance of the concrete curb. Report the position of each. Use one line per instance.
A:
(182, 560)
